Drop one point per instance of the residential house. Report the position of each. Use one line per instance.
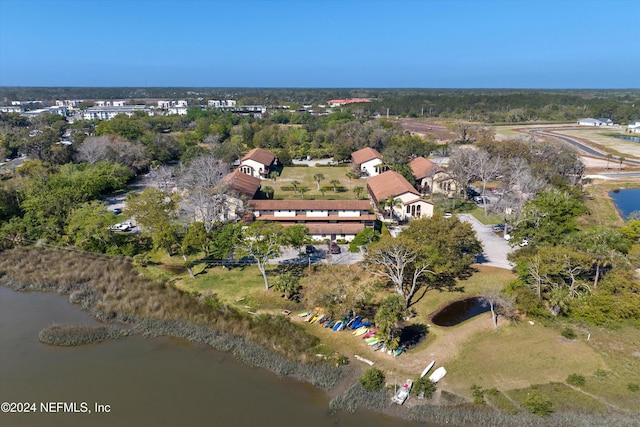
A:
(258, 163)
(243, 187)
(595, 122)
(634, 127)
(431, 178)
(391, 185)
(368, 161)
(341, 102)
(325, 219)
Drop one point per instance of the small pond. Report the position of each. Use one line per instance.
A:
(628, 138)
(459, 311)
(626, 201)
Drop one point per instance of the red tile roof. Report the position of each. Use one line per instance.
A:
(261, 156)
(330, 228)
(345, 205)
(364, 155)
(311, 219)
(423, 168)
(389, 183)
(242, 183)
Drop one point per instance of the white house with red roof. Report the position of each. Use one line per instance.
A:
(368, 161)
(258, 163)
(431, 178)
(391, 186)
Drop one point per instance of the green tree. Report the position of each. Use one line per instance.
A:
(88, 227)
(364, 238)
(389, 313)
(268, 191)
(295, 184)
(424, 385)
(155, 213)
(372, 379)
(335, 184)
(550, 218)
(430, 253)
(296, 236)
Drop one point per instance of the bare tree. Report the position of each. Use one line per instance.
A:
(463, 166)
(94, 149)
(499, 305)
(400, 265)
(487, 167)
(163, 175)
(203, 172)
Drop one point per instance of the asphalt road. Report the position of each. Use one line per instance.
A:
(587, 149)
(495, 248)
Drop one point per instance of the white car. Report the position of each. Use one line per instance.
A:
(525, 242)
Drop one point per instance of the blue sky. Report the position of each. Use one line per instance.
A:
(321, 43)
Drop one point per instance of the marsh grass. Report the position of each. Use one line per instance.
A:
(111, 289)
(72, 335)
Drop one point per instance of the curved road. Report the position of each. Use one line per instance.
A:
(587, 149)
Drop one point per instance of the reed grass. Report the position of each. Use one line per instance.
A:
(72, 335)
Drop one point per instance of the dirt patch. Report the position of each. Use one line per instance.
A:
(431, 130)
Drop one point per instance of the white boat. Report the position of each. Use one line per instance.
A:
(402, 393)
(428, 368)
(438, 374)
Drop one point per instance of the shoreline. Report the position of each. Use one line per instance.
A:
(340, 384)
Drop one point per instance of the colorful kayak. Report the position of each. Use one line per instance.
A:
(369, 334)
(360, 331)
(356, 323)
(398, 352)
(371, 339)
(337, 325)
(303, 314)
(374, 342)
(329, 323)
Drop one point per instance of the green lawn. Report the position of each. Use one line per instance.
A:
(304, 175)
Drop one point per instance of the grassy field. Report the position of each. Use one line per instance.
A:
(603, 139)
(601, 207)
(304, 175)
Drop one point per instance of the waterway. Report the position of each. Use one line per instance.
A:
(145, 382)
(628, 138)
(626, 201)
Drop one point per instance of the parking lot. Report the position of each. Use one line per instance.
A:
(495, 247)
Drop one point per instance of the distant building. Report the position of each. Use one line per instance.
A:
(224, 103)
(634, 127)
(595, 122)
(340, 102)
(61, 111)
(109, 112)
(367, 160)
(11, 109)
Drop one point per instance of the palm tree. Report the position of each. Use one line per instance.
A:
(268, 191)
(335, 183)
(358, 191)
(295, 185)
(609, 157)
(322, 190)
(621, 159)
(351, 176)
(391, 203)
(318, 177)
(303, 190)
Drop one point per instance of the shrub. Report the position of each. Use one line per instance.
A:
(424, 385)
(633, 387)
(372, 379)
(576, 380)
(538, 403)
(478, 394)
(568, 333)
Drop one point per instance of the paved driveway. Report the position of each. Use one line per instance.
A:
(494, 246)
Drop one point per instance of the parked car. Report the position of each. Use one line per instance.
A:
(497, 227)
(309, 249)
(117, 211)
(525, 242)
(448, 215)
(334, 248)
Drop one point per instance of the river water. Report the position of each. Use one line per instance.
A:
(144, 382)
